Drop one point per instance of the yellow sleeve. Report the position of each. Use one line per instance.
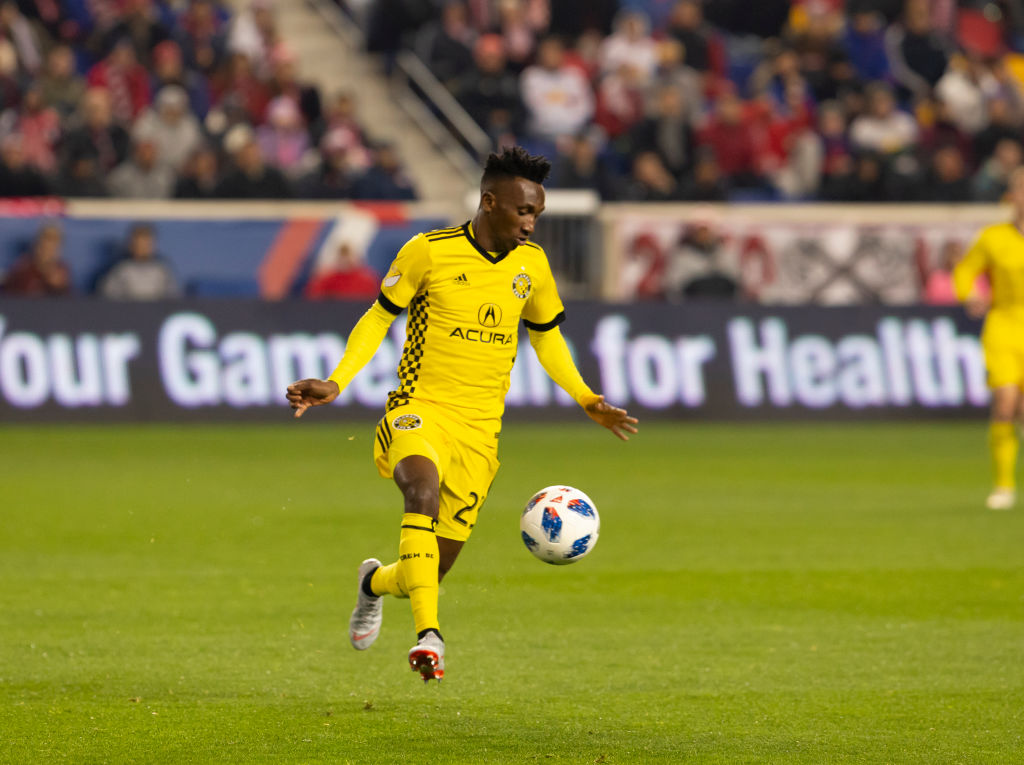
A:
(407, 272)
(970, 267)
(557, 362)
(363, 342)
(543, 309)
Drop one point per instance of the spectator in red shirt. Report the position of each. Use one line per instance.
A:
(345, 277)
(41, 271)
(729, 137)
(126, 80)
(620, 100)
(39, 126)
(795, 151)
(237, 83)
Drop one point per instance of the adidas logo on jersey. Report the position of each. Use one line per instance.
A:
(461, 279)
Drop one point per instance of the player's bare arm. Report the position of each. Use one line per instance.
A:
(311, 392)
(615, 419)
(555, 357)
(363, 341)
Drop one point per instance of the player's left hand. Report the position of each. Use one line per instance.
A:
(616, 420)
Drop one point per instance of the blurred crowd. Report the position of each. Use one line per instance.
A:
(154, 99)
(138, 271)
(710, 100)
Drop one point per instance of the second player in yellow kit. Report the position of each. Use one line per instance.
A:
(998, 253)
(467, 288)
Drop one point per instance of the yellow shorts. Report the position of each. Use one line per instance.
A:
(1005, 365)
(466, 458)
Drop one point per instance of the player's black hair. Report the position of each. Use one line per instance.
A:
(516, 162)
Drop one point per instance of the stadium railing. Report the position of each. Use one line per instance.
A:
(423, 98)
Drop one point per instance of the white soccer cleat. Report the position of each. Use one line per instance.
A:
(364, 626)
(1001, 499)
(427, 657)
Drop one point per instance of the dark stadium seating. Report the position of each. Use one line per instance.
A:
(106, 98)
(954, 67)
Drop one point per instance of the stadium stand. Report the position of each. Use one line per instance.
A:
(152, 99)
(637, 101)
(838, 100)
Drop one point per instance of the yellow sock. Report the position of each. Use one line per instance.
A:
(387, 580)
(1003, 443)
(417, 563)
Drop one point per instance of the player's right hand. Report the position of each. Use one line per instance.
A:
(311, 392)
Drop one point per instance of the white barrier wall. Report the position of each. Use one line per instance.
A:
(779, 254)
(791, 254)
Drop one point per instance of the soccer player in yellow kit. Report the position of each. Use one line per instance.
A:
(999, 253)
(466, 288)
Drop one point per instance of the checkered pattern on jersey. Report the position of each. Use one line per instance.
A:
(412, 353)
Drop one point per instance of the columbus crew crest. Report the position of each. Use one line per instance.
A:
(407, 422)
(521, 285)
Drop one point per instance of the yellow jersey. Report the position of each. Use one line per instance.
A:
(464, 305)
(998, 252)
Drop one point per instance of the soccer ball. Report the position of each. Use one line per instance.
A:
(560, 525)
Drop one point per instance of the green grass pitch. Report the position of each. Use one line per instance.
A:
(764, 593)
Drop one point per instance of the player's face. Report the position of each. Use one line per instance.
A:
(515, 205)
